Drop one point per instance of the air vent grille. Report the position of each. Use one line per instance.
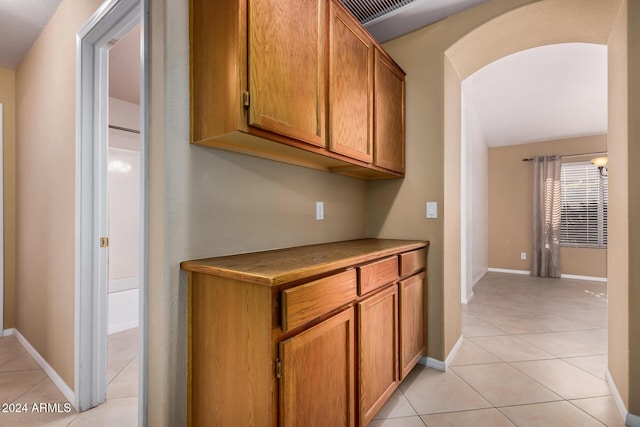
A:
(368, 10)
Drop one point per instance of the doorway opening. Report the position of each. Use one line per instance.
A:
(111, 189)
(124, 231)
(515, 317)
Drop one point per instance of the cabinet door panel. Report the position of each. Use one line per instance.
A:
(413, 323)
(389, 115)
(286, 68)
(377, 351)
(350, 87)
(317, 384)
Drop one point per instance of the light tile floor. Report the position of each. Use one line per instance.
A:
(22, 382)
(534, 353)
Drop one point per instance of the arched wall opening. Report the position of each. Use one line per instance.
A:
(537, 24)
(437, 58)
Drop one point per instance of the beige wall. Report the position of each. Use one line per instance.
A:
(8, 101)
(633, 158)
(46, 141)
(198, 196)
(618, 209)
(420, 54)
(437, 58)
(430, 77)
(206, 202)
(510, 194)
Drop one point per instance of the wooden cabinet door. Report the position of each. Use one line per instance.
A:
(350, 86)
(317, 374)
(286, 61)
(413, 325)
(377, 351)
(388, 114)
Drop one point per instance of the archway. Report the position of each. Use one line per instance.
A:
(536, 24)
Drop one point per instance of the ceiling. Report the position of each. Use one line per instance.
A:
(21, 22)
(540, 94)
(550, 92)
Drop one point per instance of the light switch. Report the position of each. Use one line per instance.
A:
(319, 211)
(432, 209)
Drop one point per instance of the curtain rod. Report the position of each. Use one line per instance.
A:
(573, 155)
(124, 129)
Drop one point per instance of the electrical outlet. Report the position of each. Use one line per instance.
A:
(523, 255)
(319, 211)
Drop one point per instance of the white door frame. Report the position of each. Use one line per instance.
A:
(1, 225)
(111, 21)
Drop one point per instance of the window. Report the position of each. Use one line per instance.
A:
(584, 206)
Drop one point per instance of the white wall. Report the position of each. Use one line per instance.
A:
(474, 203)
(124, 216)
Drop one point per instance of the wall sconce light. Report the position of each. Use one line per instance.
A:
(601, 164)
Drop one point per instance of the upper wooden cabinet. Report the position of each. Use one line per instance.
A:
(389, 114)
(286, 68)
(350, 86)
(294, 81)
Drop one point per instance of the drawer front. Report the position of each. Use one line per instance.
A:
(376, 274)
(304, 303)
(413, 261)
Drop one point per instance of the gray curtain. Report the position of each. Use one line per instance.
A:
(545, 261)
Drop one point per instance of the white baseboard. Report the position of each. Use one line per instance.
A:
(123, 310)
(468, 299)
(632, 420)
(615, 394)
(562, 276)
(7, 332)
(430, 362)
(505, 270)
(123, 284)
(122, 327)
(479, 277)
(629, 419)
(57, 379)
(589, 278)
(439, 364)
(454, 351)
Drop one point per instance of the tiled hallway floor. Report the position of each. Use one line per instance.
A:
(23, 382)
(534, 354)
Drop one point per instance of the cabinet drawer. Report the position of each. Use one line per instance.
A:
(413, 261)
(306, 302)
(379, 273)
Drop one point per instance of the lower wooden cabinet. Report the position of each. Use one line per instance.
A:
(318, 335)
(377, 351)
(317, 379)
(413, 324)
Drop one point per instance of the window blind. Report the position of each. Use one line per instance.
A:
(585, 198)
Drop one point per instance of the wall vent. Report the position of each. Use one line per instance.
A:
(367, 10)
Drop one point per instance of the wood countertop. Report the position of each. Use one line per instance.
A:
(276, 267)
